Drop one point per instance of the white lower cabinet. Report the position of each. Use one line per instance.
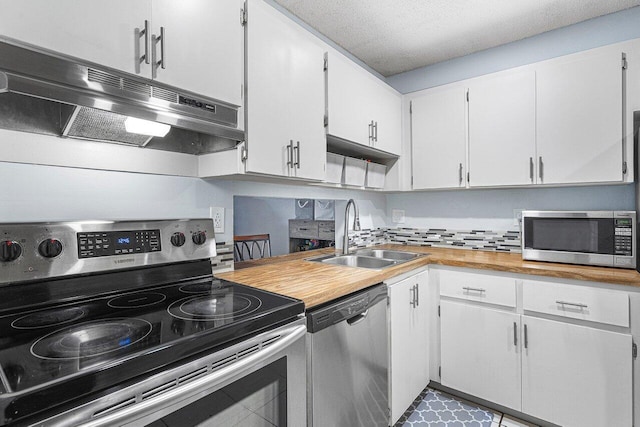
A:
(575, 375)
(562, 354)
(480, 353)
(409, 342)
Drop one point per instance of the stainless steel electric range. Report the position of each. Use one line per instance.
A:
(122, 323)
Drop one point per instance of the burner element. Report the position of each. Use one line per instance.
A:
(91, 339)
(139, 299)
(46, 318)
(224, 306)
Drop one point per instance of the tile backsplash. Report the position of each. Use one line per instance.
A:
(485, 240)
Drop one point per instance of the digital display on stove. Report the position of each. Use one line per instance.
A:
(92, 245)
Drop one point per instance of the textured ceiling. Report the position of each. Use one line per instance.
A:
(393, 36)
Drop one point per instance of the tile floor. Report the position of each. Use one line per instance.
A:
(433, 408)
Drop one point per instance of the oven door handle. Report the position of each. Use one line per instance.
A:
(199, 388)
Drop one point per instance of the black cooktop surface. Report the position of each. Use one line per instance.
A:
(58, 352)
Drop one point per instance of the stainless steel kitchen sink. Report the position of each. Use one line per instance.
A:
(387, 254)
(368, 258)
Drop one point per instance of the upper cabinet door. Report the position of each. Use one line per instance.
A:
(104, 32)
(204, 44)
(285, 105)
(438, 139)
(502, 134)
(348, 92)
(579, 118)
(388, 122)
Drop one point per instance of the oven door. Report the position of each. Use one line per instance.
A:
(260, 381)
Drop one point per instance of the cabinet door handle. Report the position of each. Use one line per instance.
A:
(531, 169)
(468, 289)
(412, 292)
(540, 168)
(370, 132)
(375, 129)
(162, 62)
(573, 304)
(526, 337)
(515, 334)
(145, 33)
(297, 154)
(290, 153)
(417, 295)
(460, 174)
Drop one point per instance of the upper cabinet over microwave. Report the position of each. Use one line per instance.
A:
(195, 45)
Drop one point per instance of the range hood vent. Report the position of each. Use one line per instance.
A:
(52, 94)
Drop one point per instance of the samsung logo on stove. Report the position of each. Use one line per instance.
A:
(123, 261)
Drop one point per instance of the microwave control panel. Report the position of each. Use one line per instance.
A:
(622, 242)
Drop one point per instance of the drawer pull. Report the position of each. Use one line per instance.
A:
(573, 304)
(468, 289)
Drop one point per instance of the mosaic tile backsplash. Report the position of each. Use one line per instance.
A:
(484, 240)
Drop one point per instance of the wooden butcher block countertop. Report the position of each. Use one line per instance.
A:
(316, 283)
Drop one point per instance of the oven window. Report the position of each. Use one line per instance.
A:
(570, 234)
(258, 399)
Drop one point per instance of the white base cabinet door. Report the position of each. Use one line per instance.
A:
(285, 101)
(576, 376)
(409, 338)
(438, 139)
(480, 353)
(579, 118)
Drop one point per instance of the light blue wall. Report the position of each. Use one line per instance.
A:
(608, 29)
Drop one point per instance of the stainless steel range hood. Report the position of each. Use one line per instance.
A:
(47, 93)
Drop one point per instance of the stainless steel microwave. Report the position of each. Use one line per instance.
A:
(604, 238)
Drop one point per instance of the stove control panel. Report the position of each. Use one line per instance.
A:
(40, 251)
(118, 243)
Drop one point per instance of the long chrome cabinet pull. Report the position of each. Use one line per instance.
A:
(526, 337)
(468, 289)
(531, 169)
(297, 154)
(375, 130)
(417, 294)
(540, 168)
(412, 291)
(163, 61)
(515, 334)
(573, 304)
(371, 132)
(145, 33)
(290, 153)
(460, 174)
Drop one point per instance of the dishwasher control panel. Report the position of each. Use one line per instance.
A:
(345, 309)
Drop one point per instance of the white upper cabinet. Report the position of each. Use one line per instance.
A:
(203, 48)
(285, 102)
(579, 118)
(361, 108)
(502, 134)
(438, 138)
(104, 32)
(201, 51)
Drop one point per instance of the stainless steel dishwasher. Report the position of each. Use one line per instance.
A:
(347, 361)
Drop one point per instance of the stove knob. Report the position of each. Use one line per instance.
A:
(10, 250)
(199, 237)
(178, 239)
(50, 248)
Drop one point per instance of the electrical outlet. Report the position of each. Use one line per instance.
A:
(397, 216)
(217, 214)
(517, 217)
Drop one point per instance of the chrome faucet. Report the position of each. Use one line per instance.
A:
(356, 225)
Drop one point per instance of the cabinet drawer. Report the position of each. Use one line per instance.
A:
(326, 230)
(577, 302)
(303, 229)
(478, 287)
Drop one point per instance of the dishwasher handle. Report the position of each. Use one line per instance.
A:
(358, 318)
